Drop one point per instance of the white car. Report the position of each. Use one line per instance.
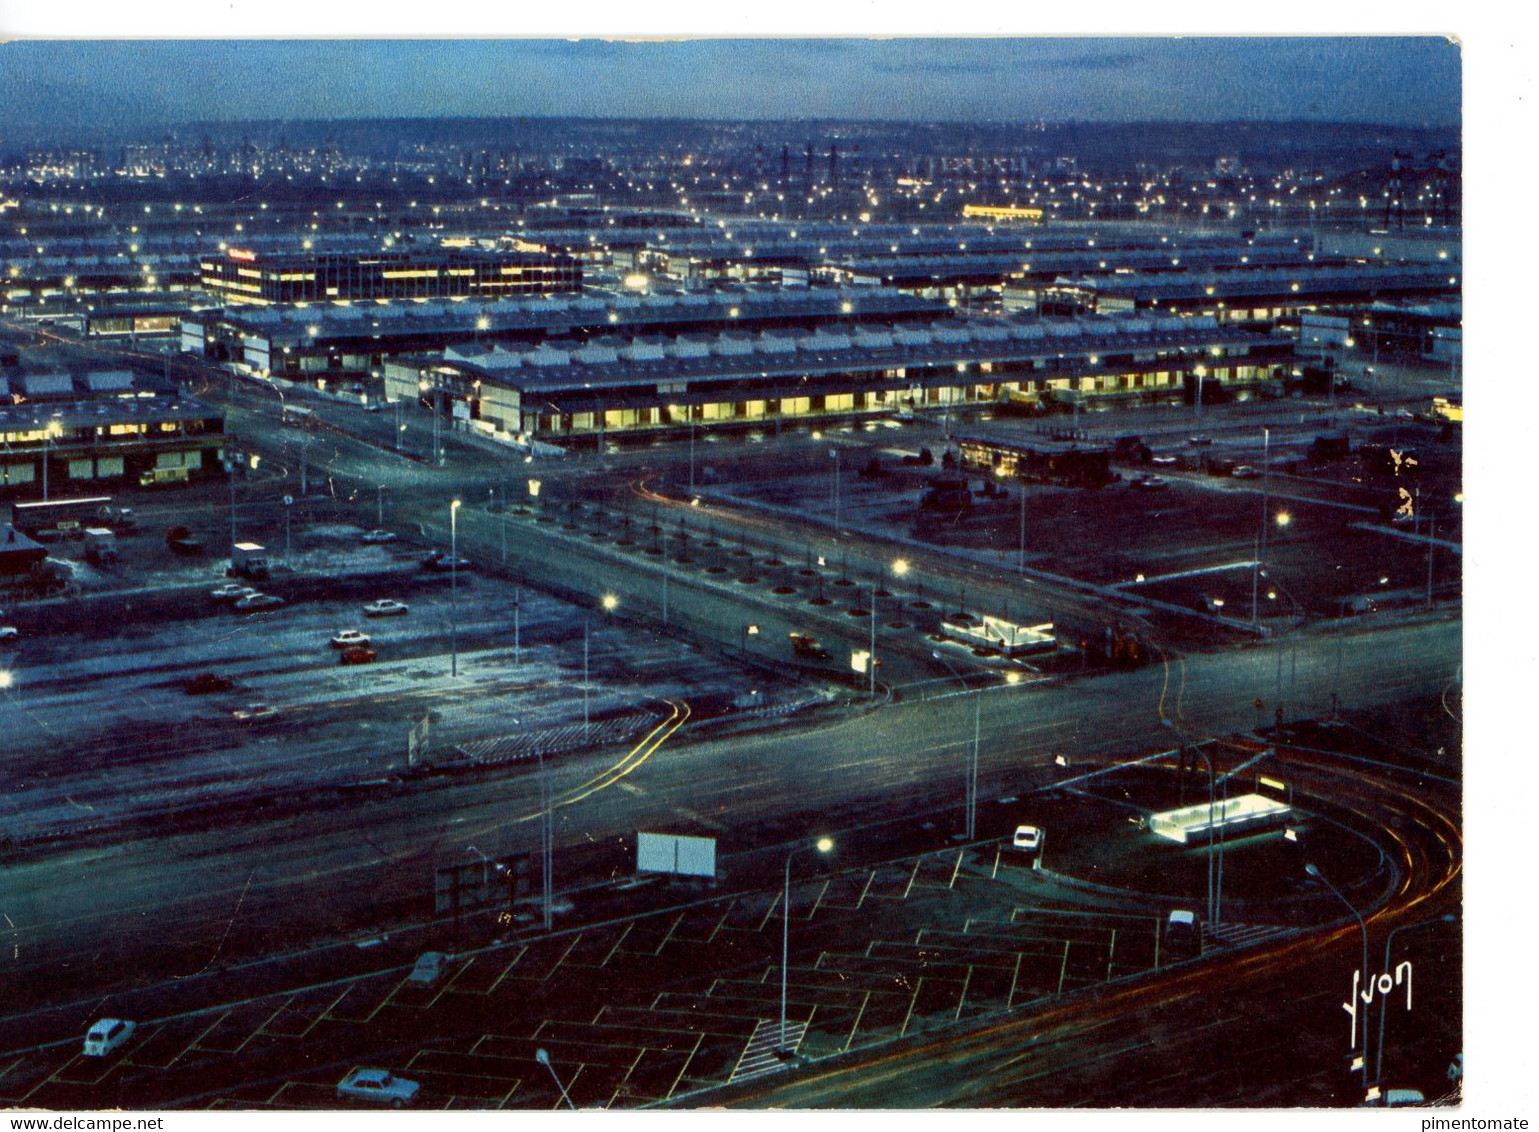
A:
(385, 607)
(377, 1085)
(1182, 925)
(254, 711)
(378, 536)
(106, 1035)
(9, 633)
(429, 969)
(1028, 838)
(254, 601)
(231, 591)
(349, 639)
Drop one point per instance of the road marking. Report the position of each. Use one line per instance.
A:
(962, 998)
(697, 818)
(910, 885)
(871, 876)
(912, 1002)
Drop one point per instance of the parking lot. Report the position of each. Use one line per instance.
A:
(658, 1007)
(194, 702)
(1342, 536)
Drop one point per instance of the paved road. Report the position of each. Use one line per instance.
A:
(1256, 1028)
(80, 922)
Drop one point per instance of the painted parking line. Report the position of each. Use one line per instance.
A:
(484, 974)
(82, 1070)
(539, 963)
(170, 1041)
(303, 1013)
(24, 1076)
(847, 893)
(363, 999)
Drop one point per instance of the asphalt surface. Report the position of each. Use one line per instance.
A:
(168, 905)
(85, 923)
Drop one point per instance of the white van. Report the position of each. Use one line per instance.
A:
(105, 1036)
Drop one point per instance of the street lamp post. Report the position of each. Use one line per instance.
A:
(872, 669)
(454, 592)
(823, 845)
(834, 453)
(544, 1059)
(547, 839)
(230, 464)
(438, 452)
(1314, 871)
(1378, 1054)
(1214, 891)
(1266, 456)
(972, 752)
(1021, 559)
(47, 453)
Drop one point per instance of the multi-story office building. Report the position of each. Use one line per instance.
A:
(241, 275)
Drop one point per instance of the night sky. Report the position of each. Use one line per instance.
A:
(1397, 80)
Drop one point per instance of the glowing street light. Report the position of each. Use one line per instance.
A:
(454, 563)
(544, 1059)
(823, 845)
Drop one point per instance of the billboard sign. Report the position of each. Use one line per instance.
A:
(674, 853)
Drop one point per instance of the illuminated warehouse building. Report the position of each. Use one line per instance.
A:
(616, 383)
(243, 276)
(73, 432)
(335, 346)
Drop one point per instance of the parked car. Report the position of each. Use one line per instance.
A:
(357, 655)
(231, 591)
(429, 969)
(1183, 931)
(385, 607)
(1245, 472)
(181, 540)
(438, 560)
(1395, 1098)
(252, 712)
(9, 633)
(375, 537)
(379, 1086)
(106, 1035)
(1151, 483)
(1028, 838)
(349, 638)
(255, 601)
(206, 683)
(1200, 440)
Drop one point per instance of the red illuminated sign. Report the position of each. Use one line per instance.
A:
(243, 255)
